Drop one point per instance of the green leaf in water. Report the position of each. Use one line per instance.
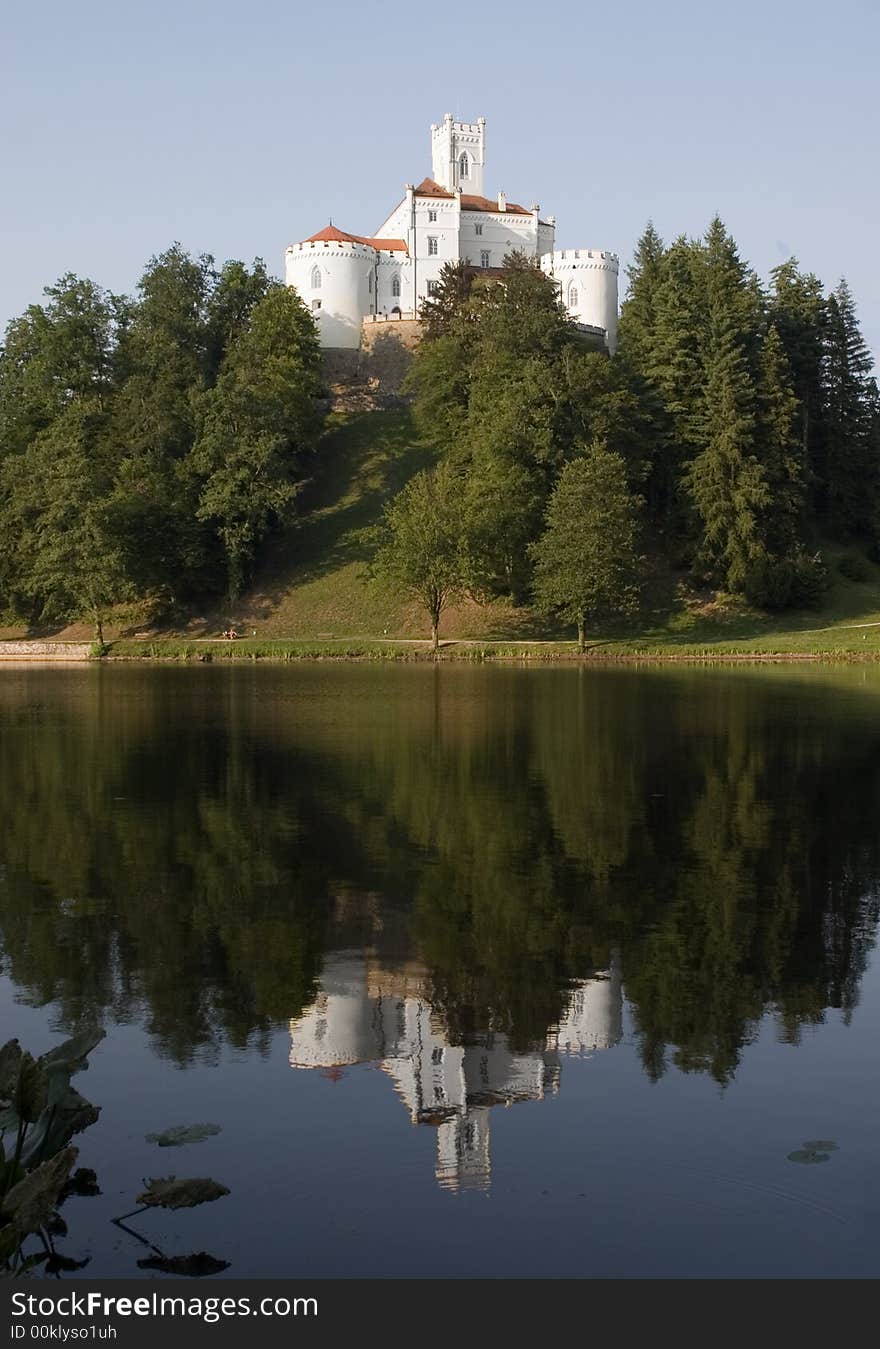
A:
(69, 1115)
(179, 1134)
(169, 1192)
(807, 1155)
(30, 1204)
(73, 1054)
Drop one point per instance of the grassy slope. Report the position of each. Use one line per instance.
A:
(313, 585)
(314, 582)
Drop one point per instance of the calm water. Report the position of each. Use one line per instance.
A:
(477, 971)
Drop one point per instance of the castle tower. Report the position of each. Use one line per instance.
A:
(587, 281)
(335, 276)
(458, 154)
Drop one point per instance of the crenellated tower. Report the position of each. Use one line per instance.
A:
(458, 154)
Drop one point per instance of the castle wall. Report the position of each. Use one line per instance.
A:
(499, 235)
(335, 282)
(445, 229)
(588, 284)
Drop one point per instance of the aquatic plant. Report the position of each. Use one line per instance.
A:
(40, 1112)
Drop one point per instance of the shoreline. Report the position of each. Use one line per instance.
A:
(209, 651)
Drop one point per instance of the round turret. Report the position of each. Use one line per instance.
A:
(334, 279)
(588, 285)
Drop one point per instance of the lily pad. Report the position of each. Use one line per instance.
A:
(814, 1150)
(169, 1192)
(807, 1155)
(180, 1134)
(195, 1266)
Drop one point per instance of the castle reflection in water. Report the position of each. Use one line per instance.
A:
(366, 1014)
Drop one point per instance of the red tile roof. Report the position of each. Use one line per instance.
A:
(428, 188)
(469, 202)
(331, 235)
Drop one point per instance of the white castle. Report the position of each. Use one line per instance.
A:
(363, 1013)
(349, 280)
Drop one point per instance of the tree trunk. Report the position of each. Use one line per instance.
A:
(99, 630)
(581, 645)
(435, 634)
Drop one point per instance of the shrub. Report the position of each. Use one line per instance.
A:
(855, 568)
(797, 580)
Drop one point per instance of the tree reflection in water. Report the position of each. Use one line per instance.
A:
(194, 849)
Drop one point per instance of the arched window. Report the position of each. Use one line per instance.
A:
(395, 284)
(572, 296)
(316, 305)
(316, 278)
(463, 165)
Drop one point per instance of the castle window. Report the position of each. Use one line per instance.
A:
(316, 305)
(484, 258)
(572, 297)
(316, 278)
(395, 284)
(478, 229)
(463, 171)
(433, 287)
(432, 245)
(432, 216)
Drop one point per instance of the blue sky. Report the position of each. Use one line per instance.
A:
(237, 128)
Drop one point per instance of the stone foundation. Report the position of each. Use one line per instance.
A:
(44, 650)
(373, 376)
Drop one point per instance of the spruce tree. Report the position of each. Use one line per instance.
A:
(850, 420)
(727, 484)
(781, 447)
(638, 317)
(797, 310)
(675, 371)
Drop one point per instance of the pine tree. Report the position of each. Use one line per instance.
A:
(797, 310)
(849, 406)
(638, 317)
(781, 447)
(727, 484)
(675, 370)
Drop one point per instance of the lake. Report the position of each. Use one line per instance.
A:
(475, 971)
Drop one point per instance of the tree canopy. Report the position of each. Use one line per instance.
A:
(149, 445)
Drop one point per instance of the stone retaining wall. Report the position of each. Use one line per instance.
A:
(45, 650)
